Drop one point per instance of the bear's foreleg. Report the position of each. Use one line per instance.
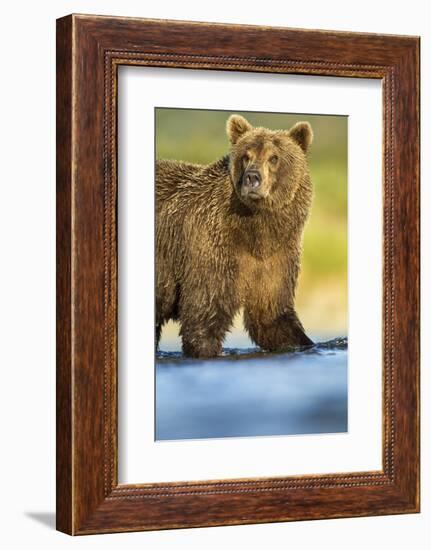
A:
(203, 328)
(200, 340)
(277, 334)
(201, 344)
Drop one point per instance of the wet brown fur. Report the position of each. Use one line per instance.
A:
(218, 252)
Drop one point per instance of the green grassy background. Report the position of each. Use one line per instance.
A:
(200, 136)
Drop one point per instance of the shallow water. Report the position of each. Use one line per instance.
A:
(247, 392)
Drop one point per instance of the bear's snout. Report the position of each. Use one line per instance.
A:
(251, 178)
(251, 183)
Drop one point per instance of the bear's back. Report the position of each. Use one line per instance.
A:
(172, 176)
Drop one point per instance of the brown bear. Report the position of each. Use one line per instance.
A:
(229, 237)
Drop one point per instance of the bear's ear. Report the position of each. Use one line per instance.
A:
(302, 133)
(236, 127)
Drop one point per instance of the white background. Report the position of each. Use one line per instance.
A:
(141, 458)
(27, 276)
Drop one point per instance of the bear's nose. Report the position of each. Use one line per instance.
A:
(251, 179)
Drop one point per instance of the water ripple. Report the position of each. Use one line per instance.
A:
(319, 348)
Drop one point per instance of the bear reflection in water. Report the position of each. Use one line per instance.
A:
(252, 393)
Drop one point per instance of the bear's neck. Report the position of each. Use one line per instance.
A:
(258, 232)
(261, 231)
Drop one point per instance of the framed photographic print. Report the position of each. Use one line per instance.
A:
(237, 274)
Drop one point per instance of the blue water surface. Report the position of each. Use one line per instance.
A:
(248, 392)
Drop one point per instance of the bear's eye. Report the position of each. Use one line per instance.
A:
(273, 159)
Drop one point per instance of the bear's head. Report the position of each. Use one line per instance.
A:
(267, 166)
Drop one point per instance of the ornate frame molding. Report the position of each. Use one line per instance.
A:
(89, 498)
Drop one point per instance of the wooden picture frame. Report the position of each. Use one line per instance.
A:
(89, 51)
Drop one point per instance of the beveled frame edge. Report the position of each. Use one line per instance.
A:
(89, 499)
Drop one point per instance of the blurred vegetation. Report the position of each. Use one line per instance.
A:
(199, 136)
